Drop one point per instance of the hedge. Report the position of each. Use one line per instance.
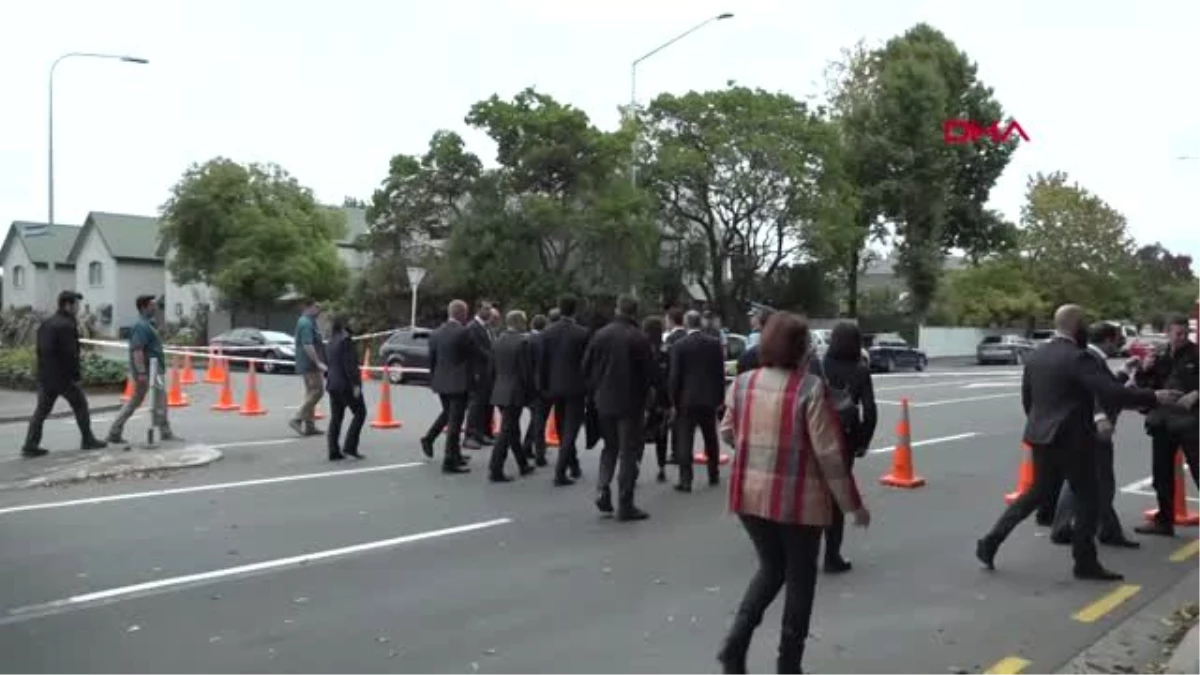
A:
(18, 370)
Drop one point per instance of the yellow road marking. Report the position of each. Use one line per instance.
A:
(1096, 611)
(1010, 665)
(1186, 551)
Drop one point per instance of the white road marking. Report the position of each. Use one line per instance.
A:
(1144, 488)
(928, 375)
(206, 488)
(968, 399)
(251, 444)
(293, 561)
(906, 387)
(985, 385)
(927, 441)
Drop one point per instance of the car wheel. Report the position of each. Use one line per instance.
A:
(267, 366)
(921, 363)
(396, 370)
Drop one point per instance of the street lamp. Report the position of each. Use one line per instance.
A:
(633, 78)
(50, 146)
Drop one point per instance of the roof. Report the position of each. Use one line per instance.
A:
(126, 236)
(53, 247)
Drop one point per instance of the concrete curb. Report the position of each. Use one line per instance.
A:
(17, 419)
(1186, 658)
(120, 463)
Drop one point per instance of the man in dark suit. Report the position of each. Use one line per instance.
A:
(560, 378)
(1103, 338)
(478, 417)
(620, 371)
(675, 329)
(535, 435)
(512, 391)
(697, 389)
(451, 356)
(1060, 383)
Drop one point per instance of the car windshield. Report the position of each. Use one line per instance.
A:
(1043, 334)
(991, 340)
(277, 338)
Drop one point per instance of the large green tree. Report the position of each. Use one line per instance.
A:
(739, 174)
(253, 233)
(996, 292)
(1163, 285)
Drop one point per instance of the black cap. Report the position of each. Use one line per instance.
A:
(69, 296)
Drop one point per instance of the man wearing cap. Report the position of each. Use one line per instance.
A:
(58, 375)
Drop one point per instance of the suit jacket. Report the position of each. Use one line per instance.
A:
(619, 369)
(343, 375)
(58, 352)
(697, 372)
(451, 353)
(513, 359)
(481, 355)
(672, 337)
(560, 370)
(1059, 389)
(748, 360)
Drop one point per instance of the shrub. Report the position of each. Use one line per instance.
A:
(18, 370)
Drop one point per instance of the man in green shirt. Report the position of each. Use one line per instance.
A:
(145, 347)
(310, 365)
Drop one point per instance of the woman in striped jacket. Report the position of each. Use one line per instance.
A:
(789, 469)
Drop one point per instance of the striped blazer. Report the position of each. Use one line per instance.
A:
(790, 457)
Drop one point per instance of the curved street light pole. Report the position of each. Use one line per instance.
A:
(633, 78)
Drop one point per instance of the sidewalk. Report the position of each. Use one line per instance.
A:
(1186, 658)
(17, 406)
(73, 466)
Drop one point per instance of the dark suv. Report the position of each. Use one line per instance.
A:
(407, 348)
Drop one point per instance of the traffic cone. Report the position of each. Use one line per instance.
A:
(188, 376)
(902, 475)
(212, 368)
(251, 406)
(1024, 474)
(551, 430)
(1182, 515)
(701, 458)
(383, 409)
(225, 402)
(175, 395)
(128, 393)
(364, 373)
(494, 426)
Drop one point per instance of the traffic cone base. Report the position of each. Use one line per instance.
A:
(383, 409)
(701, 458)
(1183, 514)
(252, 406)
(551, 430)
(902, 474)
(127, 395)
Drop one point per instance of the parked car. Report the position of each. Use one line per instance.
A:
(406, 348)
(888, 352)
(1141, 346)
(1040, 337)
(735, 346)
(1006, 349)
(259, 344)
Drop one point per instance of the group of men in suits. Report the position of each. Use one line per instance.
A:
(696, 390)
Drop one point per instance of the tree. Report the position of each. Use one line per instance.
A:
(993, 293)
(253, 233)
(354, 203)
(1162, 284)
(739, 175)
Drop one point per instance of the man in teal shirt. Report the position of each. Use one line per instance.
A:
(310, 365)
(145, 348)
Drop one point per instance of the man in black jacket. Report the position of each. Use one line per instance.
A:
(1060, 383)
(535, 435)
(58, 375)
(697, 389)
(560, 378)
(620, 372)
(451, 356)
(479, 416)
(512, 391)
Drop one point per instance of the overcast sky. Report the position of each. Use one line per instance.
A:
(1107, 89)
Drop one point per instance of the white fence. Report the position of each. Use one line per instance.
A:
(941, 341)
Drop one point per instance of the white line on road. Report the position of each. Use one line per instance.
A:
(265, 565)
(985, 385)
(930, 385)
(1144, 488)
(206, 488)
(251, 444)
(931, 374)
(928, 441)
(967, 399)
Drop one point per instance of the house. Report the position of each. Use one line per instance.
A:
(37, 268)
(116, 259)
(881, 273)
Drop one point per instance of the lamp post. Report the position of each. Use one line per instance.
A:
(633, 79)
(50, 139)
(415, 276)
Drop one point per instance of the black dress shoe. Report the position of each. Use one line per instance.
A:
(683, 487)
(1121, 542)
(540, 460)
(471, 444)
(1097, 573)
(563, 481)
(427, 447)
(1061, 538)
(336, 457)
(661, 477)
(1157, 529)
(985, 551)
(575, 471)
(488, 440)
(355, 455)
(714, 481)
(527, 469)
(604, 503)
(628, 514)
(93, 444)
(455, 468)
(30, 453)
(500, 478)
(837, 565)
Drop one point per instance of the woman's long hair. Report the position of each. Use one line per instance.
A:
(845, 342)
(652, 326)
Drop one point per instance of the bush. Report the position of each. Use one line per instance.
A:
(18, 370)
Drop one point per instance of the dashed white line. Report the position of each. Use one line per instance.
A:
(927, 441)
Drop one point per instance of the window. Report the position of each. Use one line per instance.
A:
(95, 274)
(18, 277)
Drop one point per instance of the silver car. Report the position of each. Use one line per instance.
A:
(1006, 349)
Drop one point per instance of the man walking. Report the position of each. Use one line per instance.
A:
(560, 377)
(451, 354)
(512, 391)
(310, 366)
(478, 413)
(1058, 387)
(145, 350)
(620, 371)
(697, 389)
(535, 435)
(58, 375)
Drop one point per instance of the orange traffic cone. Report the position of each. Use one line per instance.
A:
(128, 393)
(701, 458)
(212, 368)
(551, 430)
(1182, 515)
(188, 376)
(383, 410)
(364, 372)
(494, 426)
(175, 395)
(902, 475)
(251, 406)
(1024, 475)
(225, 402)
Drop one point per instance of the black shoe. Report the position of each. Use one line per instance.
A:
(714, 481)
(488, 440)
(563, 481)
(93, 444)
(985, 551)
(1157, 529)
(540, 460)
(1061, 538)
(837, 565)
(471, 444)
(732, 663)
(1121, 542)
(170, 437)
(1097, 573)
(30, 453)
(575, 471)
(500, 478)
(313, 431)
(427, 447)
(631, 513)
(456, 468)
(1045, 521)
(116, 440)
(604, 503)
(336, 457)
(661, 477)
(526, 470)
(354, 454)
(683, 487)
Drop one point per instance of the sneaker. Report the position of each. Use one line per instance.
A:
(295, 426)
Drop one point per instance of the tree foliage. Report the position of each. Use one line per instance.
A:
(994, 293)
(253, 233)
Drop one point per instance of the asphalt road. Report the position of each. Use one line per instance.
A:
(273, 560)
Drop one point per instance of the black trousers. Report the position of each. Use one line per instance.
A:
(339, 401)
(568, 417)
(480, 411)
(787, 559)
(686, 422)
(509, 439)
(535, 434)
(624, 443)
(46, 398)
(1163, 446)
(1108, 524)
(454, 411)
(1052, 464)
(837, 529)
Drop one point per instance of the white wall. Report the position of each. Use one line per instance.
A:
(134, 279)
(939, 341)
(27, 294)
(91, 250)
(183, 297)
